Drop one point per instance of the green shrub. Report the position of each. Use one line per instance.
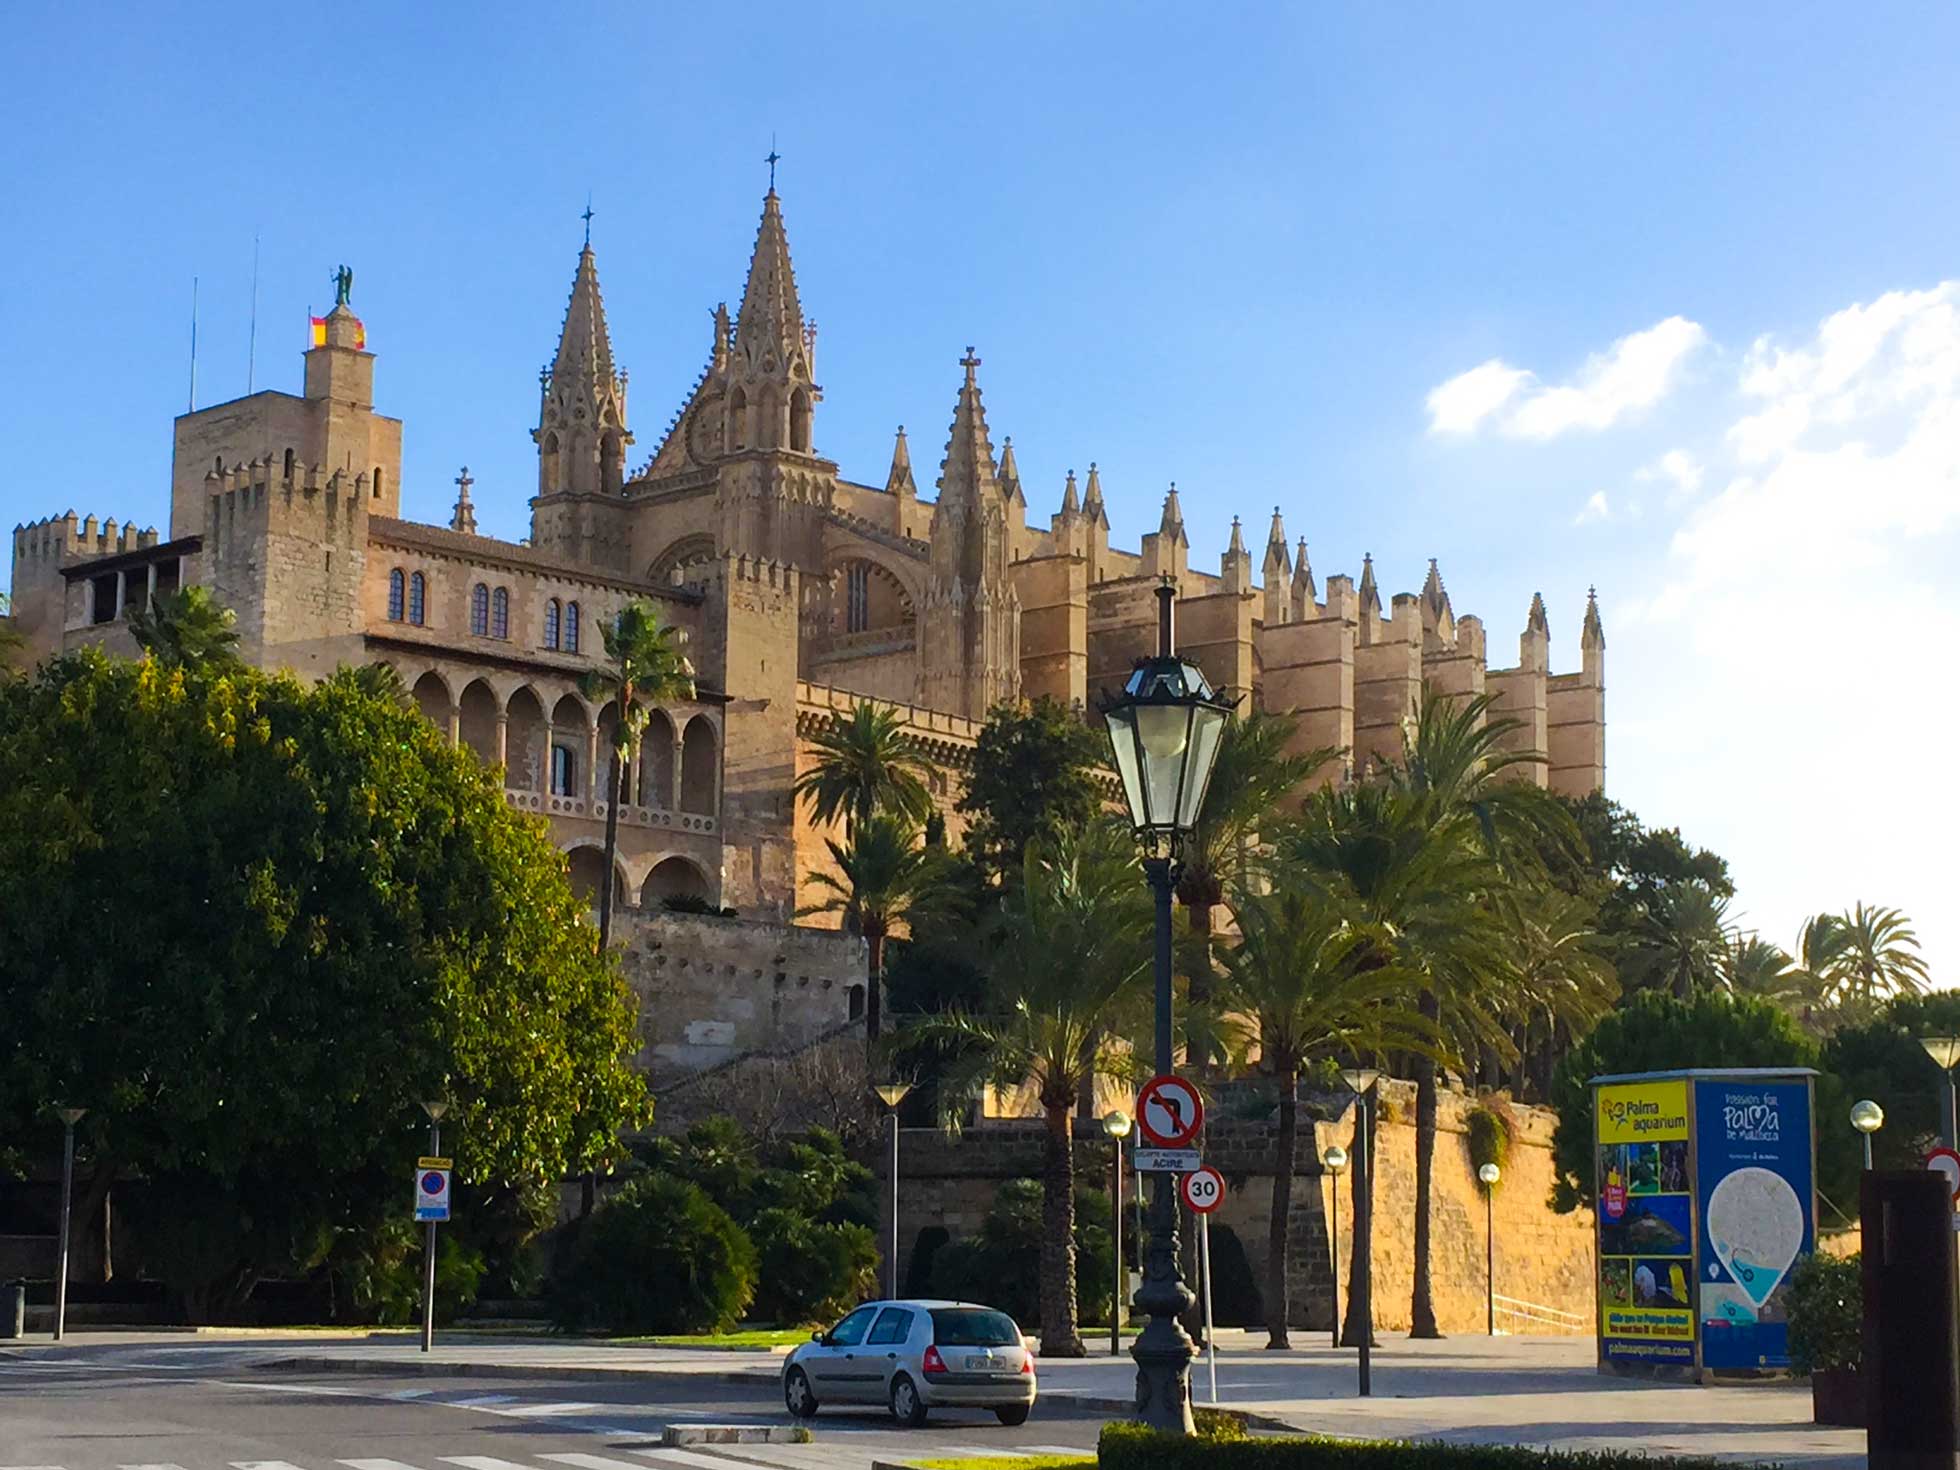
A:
(810, 1272)
(1827, 1311)
(381, 1271)
(1001, 1264)
(1134, 1447)
(1489, 1131)
(659, 1256)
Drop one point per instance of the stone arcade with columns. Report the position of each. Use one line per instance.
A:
(800, 591)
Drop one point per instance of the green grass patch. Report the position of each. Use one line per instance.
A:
(1133, 1447)
(754, 1338)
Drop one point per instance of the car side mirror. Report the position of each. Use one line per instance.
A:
(819, 1337)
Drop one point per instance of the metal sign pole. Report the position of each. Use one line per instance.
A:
(429, 1257)
(1204, 1269)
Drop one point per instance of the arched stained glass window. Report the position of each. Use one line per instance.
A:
(480, 609)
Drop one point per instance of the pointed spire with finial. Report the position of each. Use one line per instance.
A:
(1092, 497)
(1009, 473)
(1593, 633)
(769, 325)
(1278, 565)
(1071, 507)
(900, 481)
(1369, 594)
(966, 475)
(1303, 583)
(1236, 547)
(1536, 621)
(581, 433)
(463, 517)
(1172, 524)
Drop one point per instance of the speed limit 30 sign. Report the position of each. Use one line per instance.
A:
(1203, 1190)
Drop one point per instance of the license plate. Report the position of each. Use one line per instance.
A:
(982, 1361)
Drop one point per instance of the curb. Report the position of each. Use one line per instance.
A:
(438, 1368)
(1125, 1408)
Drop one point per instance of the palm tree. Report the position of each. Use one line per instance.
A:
(188, 628)
(1070, 970)
(1300, 974)
(865, 763)
(1879, 958)
(1680, 940)
(1752, 966)
(886, 877)
(378, 680)
(1254, 775)
(1555, 965)
(643, 661)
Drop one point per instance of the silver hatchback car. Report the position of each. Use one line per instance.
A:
(914, 1356)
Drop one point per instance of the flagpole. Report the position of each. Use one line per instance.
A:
(252, 347)
(193, 403)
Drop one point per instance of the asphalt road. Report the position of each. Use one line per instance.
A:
(208, 1409)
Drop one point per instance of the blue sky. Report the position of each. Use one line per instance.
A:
(1648, 297)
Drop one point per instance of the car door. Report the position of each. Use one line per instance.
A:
(884, 1351)
(833, 1363)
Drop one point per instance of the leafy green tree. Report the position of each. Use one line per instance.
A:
(1036, 772)
(1001, 1262)
(1300, 973)
(810, 1271)
(885, 878)
(188, 628)
(250, 925)
(1656, 1032)
(1679, 943)
(865, 765)
(1256, 774)
(659, 1256)
(1881, 1058)
(1071, 972)
(13, 646)
(643, 662)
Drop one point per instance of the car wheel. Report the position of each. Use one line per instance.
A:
(907, 1407)
(1012, 1415)
(797, 1394)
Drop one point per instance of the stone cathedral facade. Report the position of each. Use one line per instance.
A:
(801, 591)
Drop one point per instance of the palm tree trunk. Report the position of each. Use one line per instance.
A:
(612, 852)
(1059, 1337)
(1422, 1305)
(874, 1007)
(1278, 1303)
(1201, 977)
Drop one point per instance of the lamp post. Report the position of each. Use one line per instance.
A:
(436, 1110)
(1334, 1161)
(1117, 1126)
(69, 1118)
(1361, 1082)
(892, 1094)
(1867, 1117)
(1488, 1175)
(1164, 733)
(1945, 1050)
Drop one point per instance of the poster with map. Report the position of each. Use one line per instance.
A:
(1753, 1167)
(1646, 1223)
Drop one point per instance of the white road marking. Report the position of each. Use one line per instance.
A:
(411, 1393)
(531, 1411)
(31, 1467)
(377, 1465)
(686, 1457)
(481, 1462)
(263, 1465)
(484, 1401)
(592, 1462)
(165, 1466)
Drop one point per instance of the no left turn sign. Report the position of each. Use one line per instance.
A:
(1169, 1112)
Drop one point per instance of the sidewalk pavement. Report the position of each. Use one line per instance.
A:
(1505, 1390)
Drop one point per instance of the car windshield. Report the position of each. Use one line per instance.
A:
(973, 1327)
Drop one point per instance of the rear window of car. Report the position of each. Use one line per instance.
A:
(973, 1327)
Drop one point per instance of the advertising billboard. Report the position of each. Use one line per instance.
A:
(1646, 1223)
(1753, 1185)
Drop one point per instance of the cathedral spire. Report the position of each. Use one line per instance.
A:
(1369, 594)
(967, 472)
(1172, 524)
(769, 335)
(463, 517)
(1009, 473)
(1304, 591)
(1593, 633)
(1070, 505)
(1536, 621)
(900, 481)
(1435, 600)
(582, 434)
(1092, 501)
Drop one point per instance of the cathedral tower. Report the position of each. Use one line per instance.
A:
(581, 434)
(970, 659)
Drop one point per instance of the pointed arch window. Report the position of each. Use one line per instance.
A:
(500, 613)
(551, 615)
(396, 584)
(289, 464)
(564, 771)
(857, 604)
(480, 609)
(571, 627)
(418, 599)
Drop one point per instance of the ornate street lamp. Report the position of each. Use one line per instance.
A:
(1361, 1291)
(1867, 1117)
(1164, 732)
(1117, 1126)
(1334, 1160)
(1488, 1175)
(1945, 1050)
(891, 1094)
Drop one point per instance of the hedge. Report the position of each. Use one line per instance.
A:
(1134, 1447)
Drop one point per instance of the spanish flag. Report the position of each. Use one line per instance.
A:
(319, 330)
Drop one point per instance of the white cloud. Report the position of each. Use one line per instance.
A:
(1634, 374)
(1780, 667)
(1595, 509)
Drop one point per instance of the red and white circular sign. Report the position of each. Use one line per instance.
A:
(1169, 1113)
(1203, 1190)
(1946, 1161)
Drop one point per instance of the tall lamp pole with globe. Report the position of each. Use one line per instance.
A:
(1945, 1050)
(1117, 1126)
(1334, 1160)
(69, 1118)
(1488, 1175)
(1164, 733)
(1867, 1117)
(892, 1094)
